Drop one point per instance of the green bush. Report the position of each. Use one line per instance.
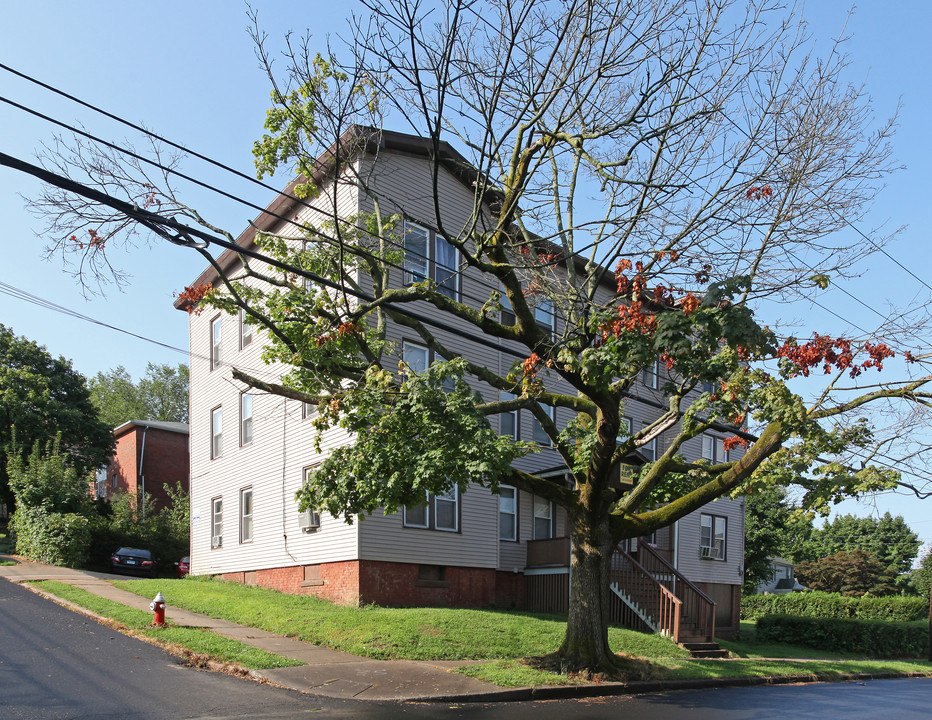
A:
(49, 537)
(872, 638)
(832, 605)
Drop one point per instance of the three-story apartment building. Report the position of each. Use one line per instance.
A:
(251, 452)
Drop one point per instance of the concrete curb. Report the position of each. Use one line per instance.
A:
(548, 692)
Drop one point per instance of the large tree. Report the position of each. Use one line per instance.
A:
(888, 538)
(42, 397)
(647, 171)
(161, 394)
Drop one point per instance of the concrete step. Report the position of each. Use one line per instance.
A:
(704, 649)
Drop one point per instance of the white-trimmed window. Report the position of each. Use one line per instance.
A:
(543, 314)
(245, 515)
(417, 516)
(245, 418)
(428, 255)
(215, 355)
(539, 434)
(508, 314)
(216, 522)
(508, 421)
(649, 450)
(307, 410)
(507, 513)
(438, 512)
(713, 449)
(245, 331)
(416, 357)
(216, 433)
(543, 518)
(650, 376)
(446, 510)
(713, 530)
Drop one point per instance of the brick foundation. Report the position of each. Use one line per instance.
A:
(389, 584)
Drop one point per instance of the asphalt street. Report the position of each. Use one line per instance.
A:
(56, 664)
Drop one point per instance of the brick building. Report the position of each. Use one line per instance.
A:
(149, 456)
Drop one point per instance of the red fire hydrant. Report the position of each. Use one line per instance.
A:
(158, 607)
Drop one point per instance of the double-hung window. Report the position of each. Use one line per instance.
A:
(649, 450)
(544, 316)
(712, 535)
(543, 519)
(245, 515)
(215, 355)
(216, 522)
(713, 449)
(245, 331)
(416, 357)
(429, 256)
(508, 313)
(437, 512)
(650, 376)
(507, 513)
(508, 421)
(216, 433)
(540, 435)
(245, 418)
(446, 510)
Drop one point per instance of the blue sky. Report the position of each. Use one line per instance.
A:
(187, 71)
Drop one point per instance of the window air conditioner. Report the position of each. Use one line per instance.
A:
(707, 552)
(216, 541)
(308, 521)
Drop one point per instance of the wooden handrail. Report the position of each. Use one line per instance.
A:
(698, 608)
(658, 602)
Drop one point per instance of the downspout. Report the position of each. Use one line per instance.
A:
(142, 457)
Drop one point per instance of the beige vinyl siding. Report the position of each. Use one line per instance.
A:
(698, 569)
(475, 544)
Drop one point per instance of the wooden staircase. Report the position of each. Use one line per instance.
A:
(665, 600)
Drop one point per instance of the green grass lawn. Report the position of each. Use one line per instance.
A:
(503, 640)
(202, 642)
(387, 633)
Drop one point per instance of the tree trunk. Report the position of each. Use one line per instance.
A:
(586, 642)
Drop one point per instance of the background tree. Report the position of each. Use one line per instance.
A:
(773, 528)
(887, 538)
(161, 394)
(43, 397)
(644, 172)
(921, 577)
(849, 572)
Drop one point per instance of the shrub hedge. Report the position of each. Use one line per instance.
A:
(832, 605)
(50, 537)
(871, 638)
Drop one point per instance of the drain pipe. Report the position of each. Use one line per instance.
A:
(142, 457)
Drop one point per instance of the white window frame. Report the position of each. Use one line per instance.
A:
(407, 522)
(307, 410)
(713, 449)
(538, 434)
(246, 418)
(544, 315)
(433, 263)
(514, 414)
(539, 505)
(650, 449)
(416, 263)
(216, 432)
(713, 536)
(409, 350)
(216, 522)
(650, 376)
(508, 316)
(246, 331)
(451, 498)
(216, 335)
(508, 507)
(246, 498)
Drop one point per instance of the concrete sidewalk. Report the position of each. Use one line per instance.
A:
(326, 672)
